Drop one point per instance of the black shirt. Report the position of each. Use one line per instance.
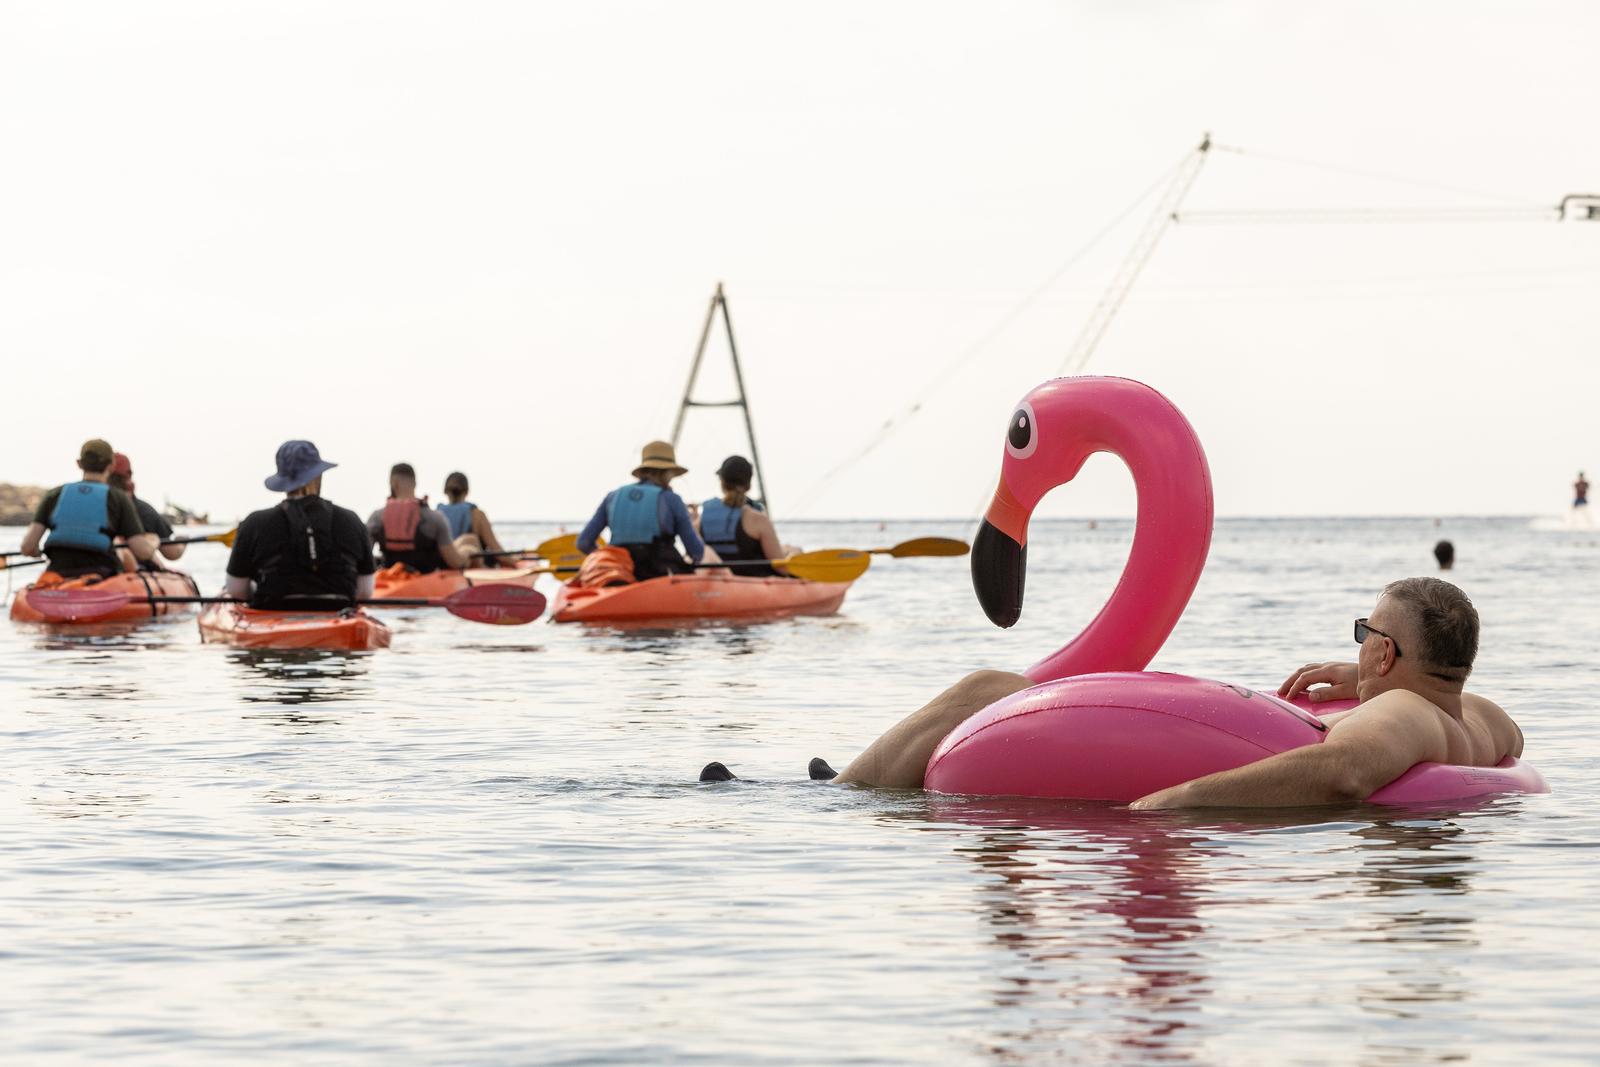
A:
(152, 521)
(264, 553)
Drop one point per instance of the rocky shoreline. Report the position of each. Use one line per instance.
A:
(17, 503)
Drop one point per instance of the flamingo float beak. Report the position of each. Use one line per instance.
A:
(1000, 558)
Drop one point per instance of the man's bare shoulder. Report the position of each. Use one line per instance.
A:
(1492, 718)
(1393, 717)
(1482, 736)
(1396, 704)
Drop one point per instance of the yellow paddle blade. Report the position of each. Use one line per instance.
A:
(563, 555)
(225, 538)
(926, 546)
(828, 565)
(565, 545)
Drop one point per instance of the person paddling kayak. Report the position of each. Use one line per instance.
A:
(306, 554)
(646, 517)
(121, 477)
(735, 526)
(76, 525)
(407, 531)
(469, 526)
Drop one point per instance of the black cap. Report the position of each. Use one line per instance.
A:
(736, 470)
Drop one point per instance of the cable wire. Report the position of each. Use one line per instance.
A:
(966, 355)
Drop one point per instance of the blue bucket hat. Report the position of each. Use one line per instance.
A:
(298, 463)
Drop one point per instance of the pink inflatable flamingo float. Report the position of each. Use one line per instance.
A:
(1097, 726)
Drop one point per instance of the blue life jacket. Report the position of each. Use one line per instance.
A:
(719, 526)
(634, 515)
(82, 518)
(459, 516)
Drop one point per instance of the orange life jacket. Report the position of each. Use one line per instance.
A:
(400, 519)
(610, 565)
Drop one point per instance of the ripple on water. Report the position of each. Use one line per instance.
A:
(439, 854)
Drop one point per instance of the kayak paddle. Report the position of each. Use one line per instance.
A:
(823, 565)
(561, 551)
(7, 565)
(565, 545)
(848, 564)
(219, 538)
(924, 546)
(504, 605)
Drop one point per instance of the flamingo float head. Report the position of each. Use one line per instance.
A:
(1052, 433)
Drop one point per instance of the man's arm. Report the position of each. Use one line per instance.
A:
(1361, 755)
(241, 563)
(158, 525)
(597, 523)
(125, 522)
(31, 540)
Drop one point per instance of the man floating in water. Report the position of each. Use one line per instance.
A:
(1445, 553)
(1417, 649)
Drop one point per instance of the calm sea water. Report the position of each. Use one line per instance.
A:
(487, 845)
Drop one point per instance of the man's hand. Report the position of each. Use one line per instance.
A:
(1340, 679)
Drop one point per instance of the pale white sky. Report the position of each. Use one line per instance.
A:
(482, 236)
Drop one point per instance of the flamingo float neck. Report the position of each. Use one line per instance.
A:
(1054, 430)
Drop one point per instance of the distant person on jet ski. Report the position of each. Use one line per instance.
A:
(735, 526)
(305, 554)
(647, 518)
(1580, 492)
(76, 525)
(409, 532)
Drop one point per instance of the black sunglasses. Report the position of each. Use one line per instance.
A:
(1362, 630)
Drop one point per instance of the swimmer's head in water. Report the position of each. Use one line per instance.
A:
(1445, 553)
(1434, 621)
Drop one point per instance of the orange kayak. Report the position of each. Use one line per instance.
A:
(400, 581)
(234, 624)
(701, 595)
(140, 584)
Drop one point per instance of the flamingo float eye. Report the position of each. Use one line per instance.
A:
(1023, 436)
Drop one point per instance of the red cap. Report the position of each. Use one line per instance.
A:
(121, 464)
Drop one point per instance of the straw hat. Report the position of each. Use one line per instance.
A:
(659, 456)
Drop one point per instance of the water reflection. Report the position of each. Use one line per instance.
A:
(303, 676)
(108, 637)
(1101, 924)
(673, 643)
(92, 669)
(86, 797)
(1103, 913)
